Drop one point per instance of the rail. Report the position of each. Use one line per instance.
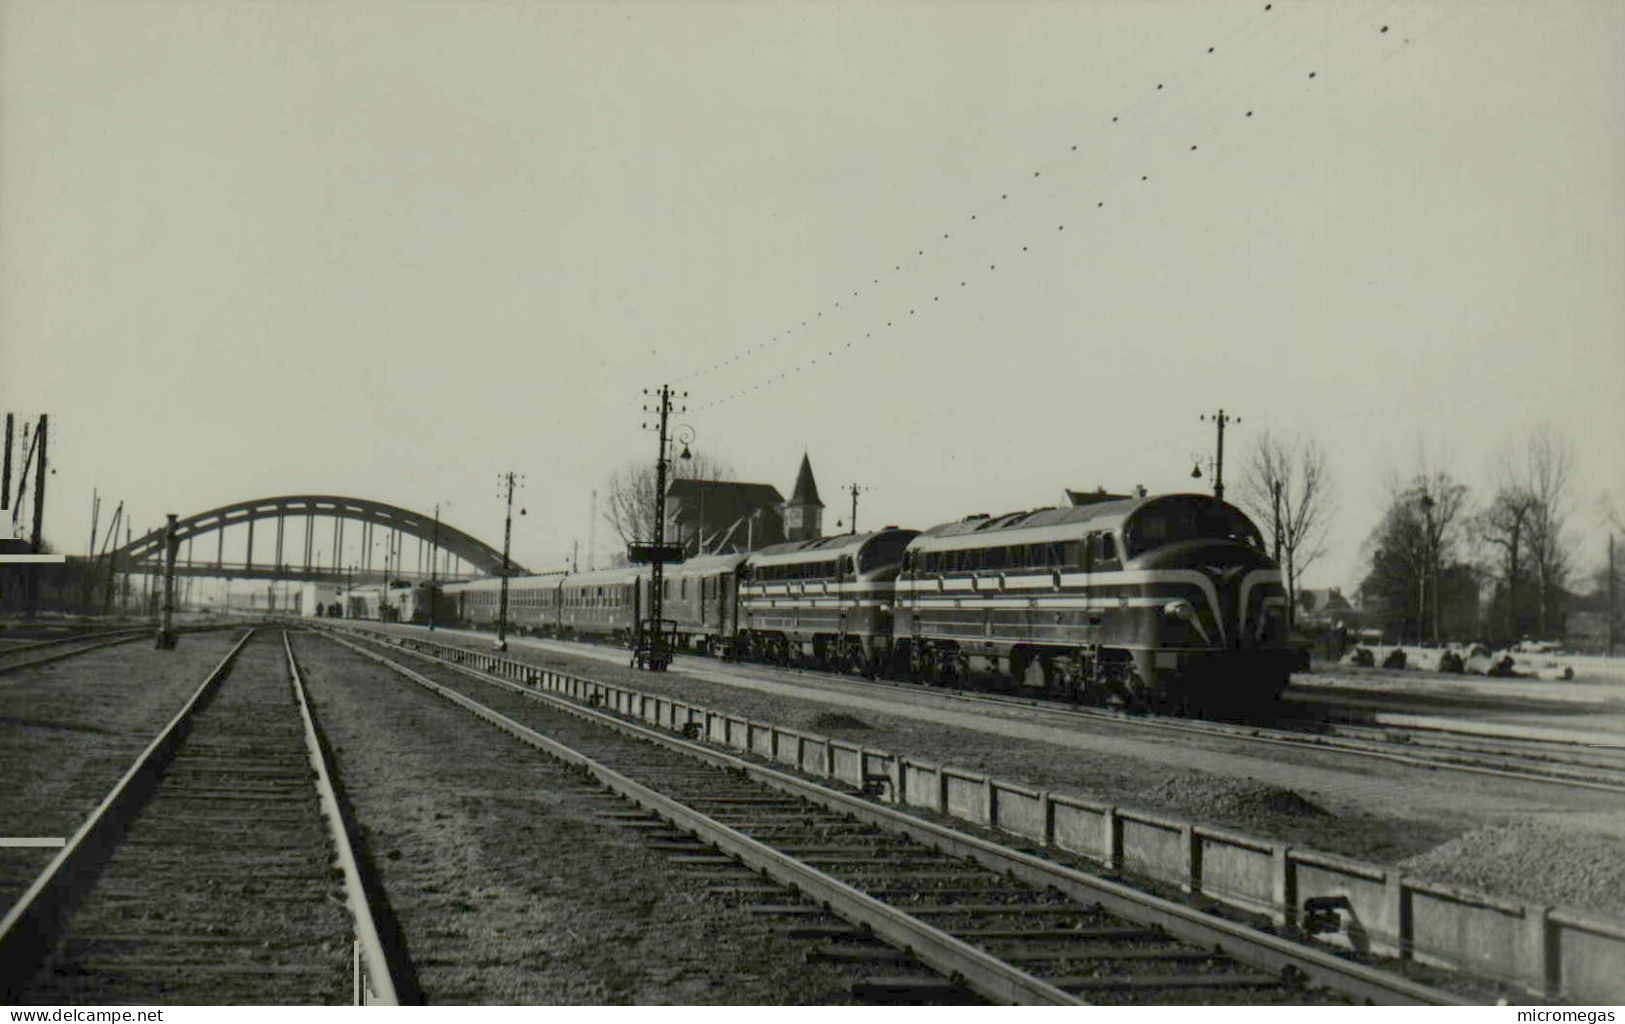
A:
(68, 647)
(375, 981)
(37, 916)
(1551, 952)
(860, 768)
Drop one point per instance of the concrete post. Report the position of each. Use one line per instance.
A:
(166, 630)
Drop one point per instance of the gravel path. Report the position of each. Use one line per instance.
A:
(70, 729)
(507, 888)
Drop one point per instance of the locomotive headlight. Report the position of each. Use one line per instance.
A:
(1182, 611)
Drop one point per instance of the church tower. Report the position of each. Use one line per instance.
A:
(804, 513)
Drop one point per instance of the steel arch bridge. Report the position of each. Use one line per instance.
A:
(439, 543)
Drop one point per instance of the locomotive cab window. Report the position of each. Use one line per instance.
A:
(1185, 518)
(1102, 549)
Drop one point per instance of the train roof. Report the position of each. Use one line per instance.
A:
(495, 582)
(708, 563)
(604, 577)
(1039, 526)
(794, 551)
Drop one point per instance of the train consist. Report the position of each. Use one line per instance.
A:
(1151, 599)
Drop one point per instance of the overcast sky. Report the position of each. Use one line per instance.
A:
(391, 250)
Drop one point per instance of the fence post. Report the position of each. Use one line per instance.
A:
(1113, 839)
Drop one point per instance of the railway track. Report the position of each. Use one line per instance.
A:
(1574, 765)
(207, 874)
(43, 652)
(870, 884)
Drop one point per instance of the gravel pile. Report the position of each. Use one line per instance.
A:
(1235, 799)
(1541, 862)
(837, 722)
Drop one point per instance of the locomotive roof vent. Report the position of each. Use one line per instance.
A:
(891, 527)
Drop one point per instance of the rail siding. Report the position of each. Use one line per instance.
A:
(1550, 952)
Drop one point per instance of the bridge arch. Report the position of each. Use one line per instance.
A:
(146, 552)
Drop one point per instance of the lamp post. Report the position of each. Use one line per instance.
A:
(1197, 458)
(683, 434)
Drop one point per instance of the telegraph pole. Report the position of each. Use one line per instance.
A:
(40, 439)
(434, 559)
(507, 538)
(95, 517)
(854, 490)
(1220, 419)
(5, 488)
(652, 652)
(166, 630)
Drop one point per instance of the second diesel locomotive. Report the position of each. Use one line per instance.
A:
(1161, 598)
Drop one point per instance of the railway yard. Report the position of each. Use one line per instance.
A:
(275, 812)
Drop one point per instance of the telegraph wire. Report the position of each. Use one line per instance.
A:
(1134, 124)
(876, 279)
(830, 349)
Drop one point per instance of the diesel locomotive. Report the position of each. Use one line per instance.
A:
(1163, 598)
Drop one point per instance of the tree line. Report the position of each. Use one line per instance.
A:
(1445, 562)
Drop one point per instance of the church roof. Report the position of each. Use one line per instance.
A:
(806, 492)
(722, 501)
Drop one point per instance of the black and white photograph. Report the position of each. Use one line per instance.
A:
(952, 503)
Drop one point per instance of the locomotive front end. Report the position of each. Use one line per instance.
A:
(1215, 628)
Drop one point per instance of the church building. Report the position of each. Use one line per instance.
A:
(730, 516)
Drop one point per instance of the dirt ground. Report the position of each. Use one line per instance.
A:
(70, 729)
(507, 888)
(1372, 811)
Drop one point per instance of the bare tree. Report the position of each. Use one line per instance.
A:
(1504, 526)
(630, 508)
(1548, 466)
(1418, 536)
(1525, 522)
(1285, 485)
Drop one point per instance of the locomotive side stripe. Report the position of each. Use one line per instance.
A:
(1090, 581)
(1041, 603)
